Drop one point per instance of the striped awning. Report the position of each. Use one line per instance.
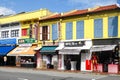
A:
(70, 50)
(23, 51)
(48, 50)
(97, 48)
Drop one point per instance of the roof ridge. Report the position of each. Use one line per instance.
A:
(69, 12)
(94, 8)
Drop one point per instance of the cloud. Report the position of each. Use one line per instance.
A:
(6, 11)
(91, 3)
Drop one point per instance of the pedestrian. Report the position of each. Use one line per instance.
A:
(5, 60)
(94, 61)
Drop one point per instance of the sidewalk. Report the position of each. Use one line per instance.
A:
(76, 74)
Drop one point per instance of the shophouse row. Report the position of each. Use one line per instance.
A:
(64, 41)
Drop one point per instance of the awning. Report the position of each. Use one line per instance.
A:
(37, 48)
(97, 48)
(70, 50)
(22, 51)
(5, 49)
(48, 50)
(59, 48)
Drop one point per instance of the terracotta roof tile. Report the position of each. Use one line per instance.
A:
(77, 12)
(53, 16)
(85, 11)
(102, 8)
(96, 9)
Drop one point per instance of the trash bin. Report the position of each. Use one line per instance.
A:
(105, 67)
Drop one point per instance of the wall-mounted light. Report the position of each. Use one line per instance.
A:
(44, 42)
(53, 42)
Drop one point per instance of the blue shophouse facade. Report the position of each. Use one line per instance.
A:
(6, 45)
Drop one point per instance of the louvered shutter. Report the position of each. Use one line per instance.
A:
(98, 28)
(54, 32)
(80, 29)
(69, 30)
(40, 33)
(113, 26)
(48, 33)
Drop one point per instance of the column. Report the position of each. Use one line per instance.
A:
(59, 61)
(62, 62)
(38, 59)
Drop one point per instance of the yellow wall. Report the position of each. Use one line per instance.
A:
(74, 30)
(88, 29)
(105, 27)
(24, 16)
(119, 26)
(63, 29)
(89, 24)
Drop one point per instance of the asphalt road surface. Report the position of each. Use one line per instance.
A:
(30, 74)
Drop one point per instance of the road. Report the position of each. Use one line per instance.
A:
(7, 73)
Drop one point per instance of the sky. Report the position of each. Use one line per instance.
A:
(16, 6)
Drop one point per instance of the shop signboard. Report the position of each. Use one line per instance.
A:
(26, 41)
(74, 43)
(7, 41)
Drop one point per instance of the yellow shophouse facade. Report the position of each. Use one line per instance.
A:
(84, 32)
(26, 41)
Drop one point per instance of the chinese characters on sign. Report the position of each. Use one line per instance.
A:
(74, 43)
(28, 40)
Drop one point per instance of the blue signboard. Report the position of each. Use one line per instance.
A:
(8, 41)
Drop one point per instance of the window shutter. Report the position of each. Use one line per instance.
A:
(98, 28)
(69, 30)
(113, 26)
(36, 31)
(55, 32)
(28, 32)
(58, 30)
(48, 32)
(80, 29)
(40, 33)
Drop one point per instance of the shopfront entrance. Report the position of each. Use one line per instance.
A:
(73, 54)
(107, 51)
(75, 59)
(49, 57)
(106, 58)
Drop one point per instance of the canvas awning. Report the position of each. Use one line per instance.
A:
(5, 49)
(70, 50)
(48, 50)
(97, 48)
(37, 48)
(23, 51)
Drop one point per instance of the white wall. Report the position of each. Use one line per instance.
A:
(84, 56)
(9, 29)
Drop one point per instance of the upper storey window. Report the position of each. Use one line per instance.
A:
(69, 26)
(54, 32)
(80, 29)
(15, 33)
(113, 26)
(98, 28)
(5, 34)
(44, 33)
